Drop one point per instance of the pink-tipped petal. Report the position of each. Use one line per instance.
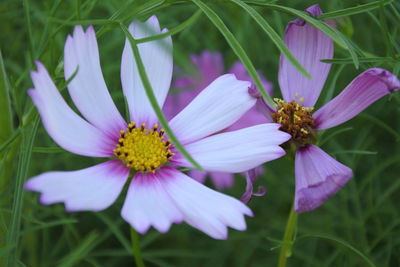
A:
(66, 128)
(94, 188)
(88, 89)
(237, 151)
(318, 176)
(309, 46)
(157, 59)
(218, 106)
(364, 90)
(203, 208)
(149, 204)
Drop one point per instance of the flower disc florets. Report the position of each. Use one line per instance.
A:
(296, 120)
(143, 149)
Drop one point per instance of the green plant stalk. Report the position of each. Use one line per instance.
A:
(137, 254)
(287, 242)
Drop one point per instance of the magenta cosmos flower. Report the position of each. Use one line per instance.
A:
(209, 66)
(318, 175)
(158, 194)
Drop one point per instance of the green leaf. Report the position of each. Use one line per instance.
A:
(153, 100)
(354, 10)
(273, 36)
(236, 47)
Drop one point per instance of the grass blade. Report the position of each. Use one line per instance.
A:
(354, 10)
(27, 136)
(272, 35)
(342, 243)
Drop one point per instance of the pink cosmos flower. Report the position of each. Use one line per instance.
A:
(158, 194)
(318, 175)
(209, 66)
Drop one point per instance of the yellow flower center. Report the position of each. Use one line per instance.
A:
(143, 149)
(295, 119)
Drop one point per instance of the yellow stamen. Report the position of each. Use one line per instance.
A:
(143, 149)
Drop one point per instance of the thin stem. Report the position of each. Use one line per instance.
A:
(287, 242)
(137, 254)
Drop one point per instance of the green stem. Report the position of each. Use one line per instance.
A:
(287, 242)
(137, 254)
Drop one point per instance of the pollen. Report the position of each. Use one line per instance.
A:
(143, 149)
(295, 119)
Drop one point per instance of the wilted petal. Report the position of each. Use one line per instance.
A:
(318, 176)
(309, 46)
(203, 208)
(94, 188)
(364, 90)
(157, 60)
(218, 106)
(149, 204)
(251, 177)
(237, 151)
(88, 89)
(66, 128)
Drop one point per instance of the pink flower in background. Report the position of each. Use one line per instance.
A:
(208, 66)
(158, 194)
(318, 175)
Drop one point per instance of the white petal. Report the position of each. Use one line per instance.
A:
(157, 59)
(217, 107)
(205, 209)
(148, 204)
(237, 151)
(88, 89)
(66, 128)
(94, 188)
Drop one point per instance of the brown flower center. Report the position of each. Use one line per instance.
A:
(296, 120)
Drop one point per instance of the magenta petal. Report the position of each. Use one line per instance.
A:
(205, 209)
(148, 204)
(67, 129)
(94, 188)
(318, 176)
(364, 90)
(309, 46)
(241, 73)
(221, 180)
(88, 89)
(157, 60)
(210, 66)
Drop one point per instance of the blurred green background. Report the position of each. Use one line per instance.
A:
(359, 226)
